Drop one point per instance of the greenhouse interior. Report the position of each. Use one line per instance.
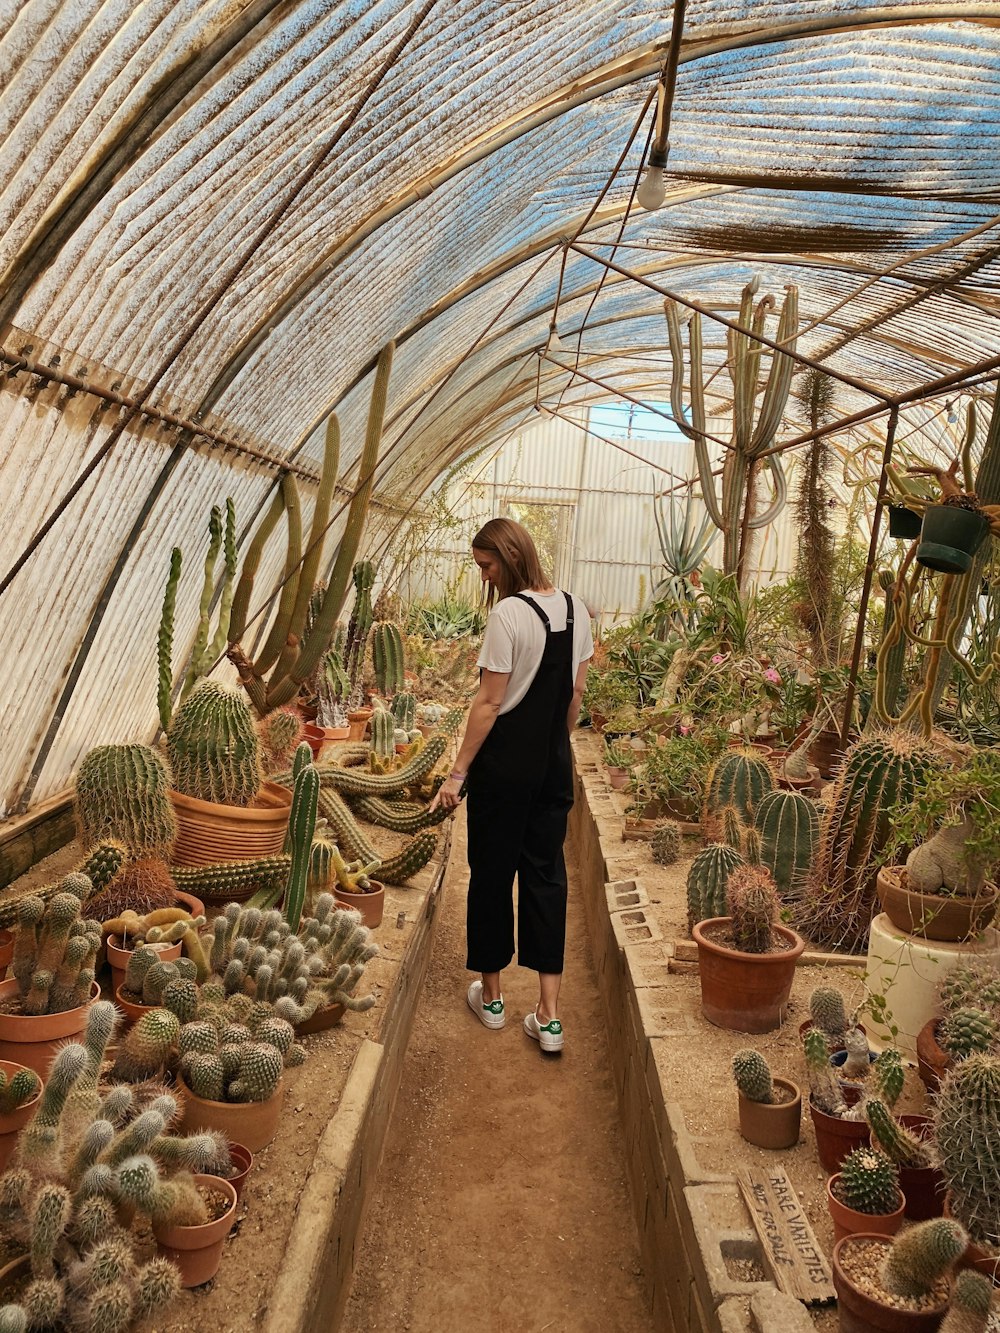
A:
(497, 548)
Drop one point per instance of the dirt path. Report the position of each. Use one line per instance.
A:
(501, 1203)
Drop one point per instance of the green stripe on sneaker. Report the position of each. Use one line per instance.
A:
(555, 1027)
(494, 1007)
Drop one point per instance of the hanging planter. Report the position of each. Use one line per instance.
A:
(903, 523)
(949, 537)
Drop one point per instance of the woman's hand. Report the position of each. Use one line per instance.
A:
(449, 794)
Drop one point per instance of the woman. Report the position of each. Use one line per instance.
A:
(515, 763)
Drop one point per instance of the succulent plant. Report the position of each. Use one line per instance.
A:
(55, 951)
(123, 794)
(740, 778)
(753, 1076)
(971, 1301)
(753, 906)
(214, 748)
(665, 844)
(894, 1139)
(828, 1011)
(921, 1255)
(887, 1076)
(823, 1085)
(967, 1031)
(869, 1182)
(788, 824)
(707, 882)
(18, 1089)
(967, 1134)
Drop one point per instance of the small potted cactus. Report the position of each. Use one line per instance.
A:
(838, 1128)
(864, 1195)
(770, 1108)
(908, 1141)
(974, 989)
(966, 1134)
(20, 1088)
(903, 1284)
(53, 985)
(355, 888)
(747, 960)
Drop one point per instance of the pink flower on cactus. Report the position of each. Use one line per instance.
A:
(717, 658)
(683, 730)
(773, 676)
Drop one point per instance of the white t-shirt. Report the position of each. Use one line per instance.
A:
(515, 639)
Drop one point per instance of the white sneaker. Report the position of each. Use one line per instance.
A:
(490, 1015)
(548, 1035)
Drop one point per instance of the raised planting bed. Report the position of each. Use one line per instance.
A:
(680, 1130)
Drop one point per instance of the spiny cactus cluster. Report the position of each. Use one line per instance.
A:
(142, 885)
(54, 950)
(123, 794)
(976, 984)
(226, 1061)
(214, 747)
(869, 1182)
(966, 1031)
(753, 906)
(887, 1076)
(753, 1076)
(971, 1302)
(665, 844)
(147, 978)
(921, 1255)
(967, 1134)
(81, 1161)
(707, 882)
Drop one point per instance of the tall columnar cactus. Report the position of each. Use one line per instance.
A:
(869, 1182)
(878, 772)
(967, 1133)
(707, 880)
(740, 778)
(208, 647)
(301, 827)
(789, 832)
(360, 623)
(123, 794)
(753, 906)
(214, 748)
(921, 1255)
(382, 728)
(734, 513)
(388, 657)
(753, 1076)
(404, 710)
(165, 642)
(888, 1076)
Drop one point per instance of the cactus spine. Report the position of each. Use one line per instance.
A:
(707, 880)
(878, 772)
(123, 794)
(966, 1129)
(388, 657)
(214, 748)
(753, 906)
(789, 832)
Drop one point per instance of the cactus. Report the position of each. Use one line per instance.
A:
(707, 880)
(280, 734)
(789, 832)
(921, 1255)
(753, 906)
(49, 1218)
(887, 1076)
(360, 623)
(904, 1148)
(966, 1031)
(740, 778)
(388, 657)
(16, 1091)
(869, 1182)
(40, 1146)
(141, 886)
(54, 952)
(665, 844)
(158, 977)
(356, 782)
(753, 1076)
(967, 1134)
(375, 810)
(165, 641)
(823, 1085)
(971, 1301)
(827, 1011)
(975, 984)
(733, 828)
(103, 863)
(382, 728)
(301, 827)
(123, 794)
(856, 1064)
(404, 710)
(878, 773)
(147, 1046)
(214, 749)
(259, 1074)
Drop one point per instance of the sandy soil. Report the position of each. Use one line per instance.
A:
(501, 1202)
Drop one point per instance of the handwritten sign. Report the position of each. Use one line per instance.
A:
(791, 1251)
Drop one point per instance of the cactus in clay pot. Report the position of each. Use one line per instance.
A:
(921, 1255)
(828, 1011)
(894, 1139)
(971, 1301)
(753, 1076)
(122, 794)
(17, 1090)
(214, 748)
(869, 1182)
(753, 906)
(967, 1134)
(823, 1085)
(967, 1031)
(54, 951)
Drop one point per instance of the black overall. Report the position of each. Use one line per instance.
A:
(520, 790)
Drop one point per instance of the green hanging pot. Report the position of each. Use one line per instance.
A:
(950, 537)
(903, 522)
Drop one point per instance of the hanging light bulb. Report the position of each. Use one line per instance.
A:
(653, 190)
(555, 343)
(952, 414)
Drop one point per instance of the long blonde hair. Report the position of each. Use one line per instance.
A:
(520, 566)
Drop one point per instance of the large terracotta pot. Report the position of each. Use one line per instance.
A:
(932, 916)
(835, 1137)
(933, 1061)
(207, 832)
(861, 1313)
(34, 1039)
(848, 1221)
(370, 905)
(197, 1251)
(251, 1123)
(745, 992)
(12, 1124)
(772, 1125)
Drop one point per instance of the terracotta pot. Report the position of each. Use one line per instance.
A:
(242, 1160)
(192, 905)
(118, 956)
(34, 1039)
(861, 1313)
(6, 952)
(12, 1124)
(931, 916)
(745, 992)
(923, 1186)
(933, 1061)
(799, 784)
(358, 722)
(317, 737)
(327, 1017)
(251, 1123)
(772, 1125)
(836, 1137)
(618, 777)
(848, 1221)
(197, 1251)
(370, 905)
(826, 752)
(132, 1011)
(207, 832)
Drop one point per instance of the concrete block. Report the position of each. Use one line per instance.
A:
(646, 964)
(625, 893)
(718, 1229)
(771, 1310)
(634, 926)
(732, 1316)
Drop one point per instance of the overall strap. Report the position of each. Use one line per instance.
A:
(569, 610)
(536, 608)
